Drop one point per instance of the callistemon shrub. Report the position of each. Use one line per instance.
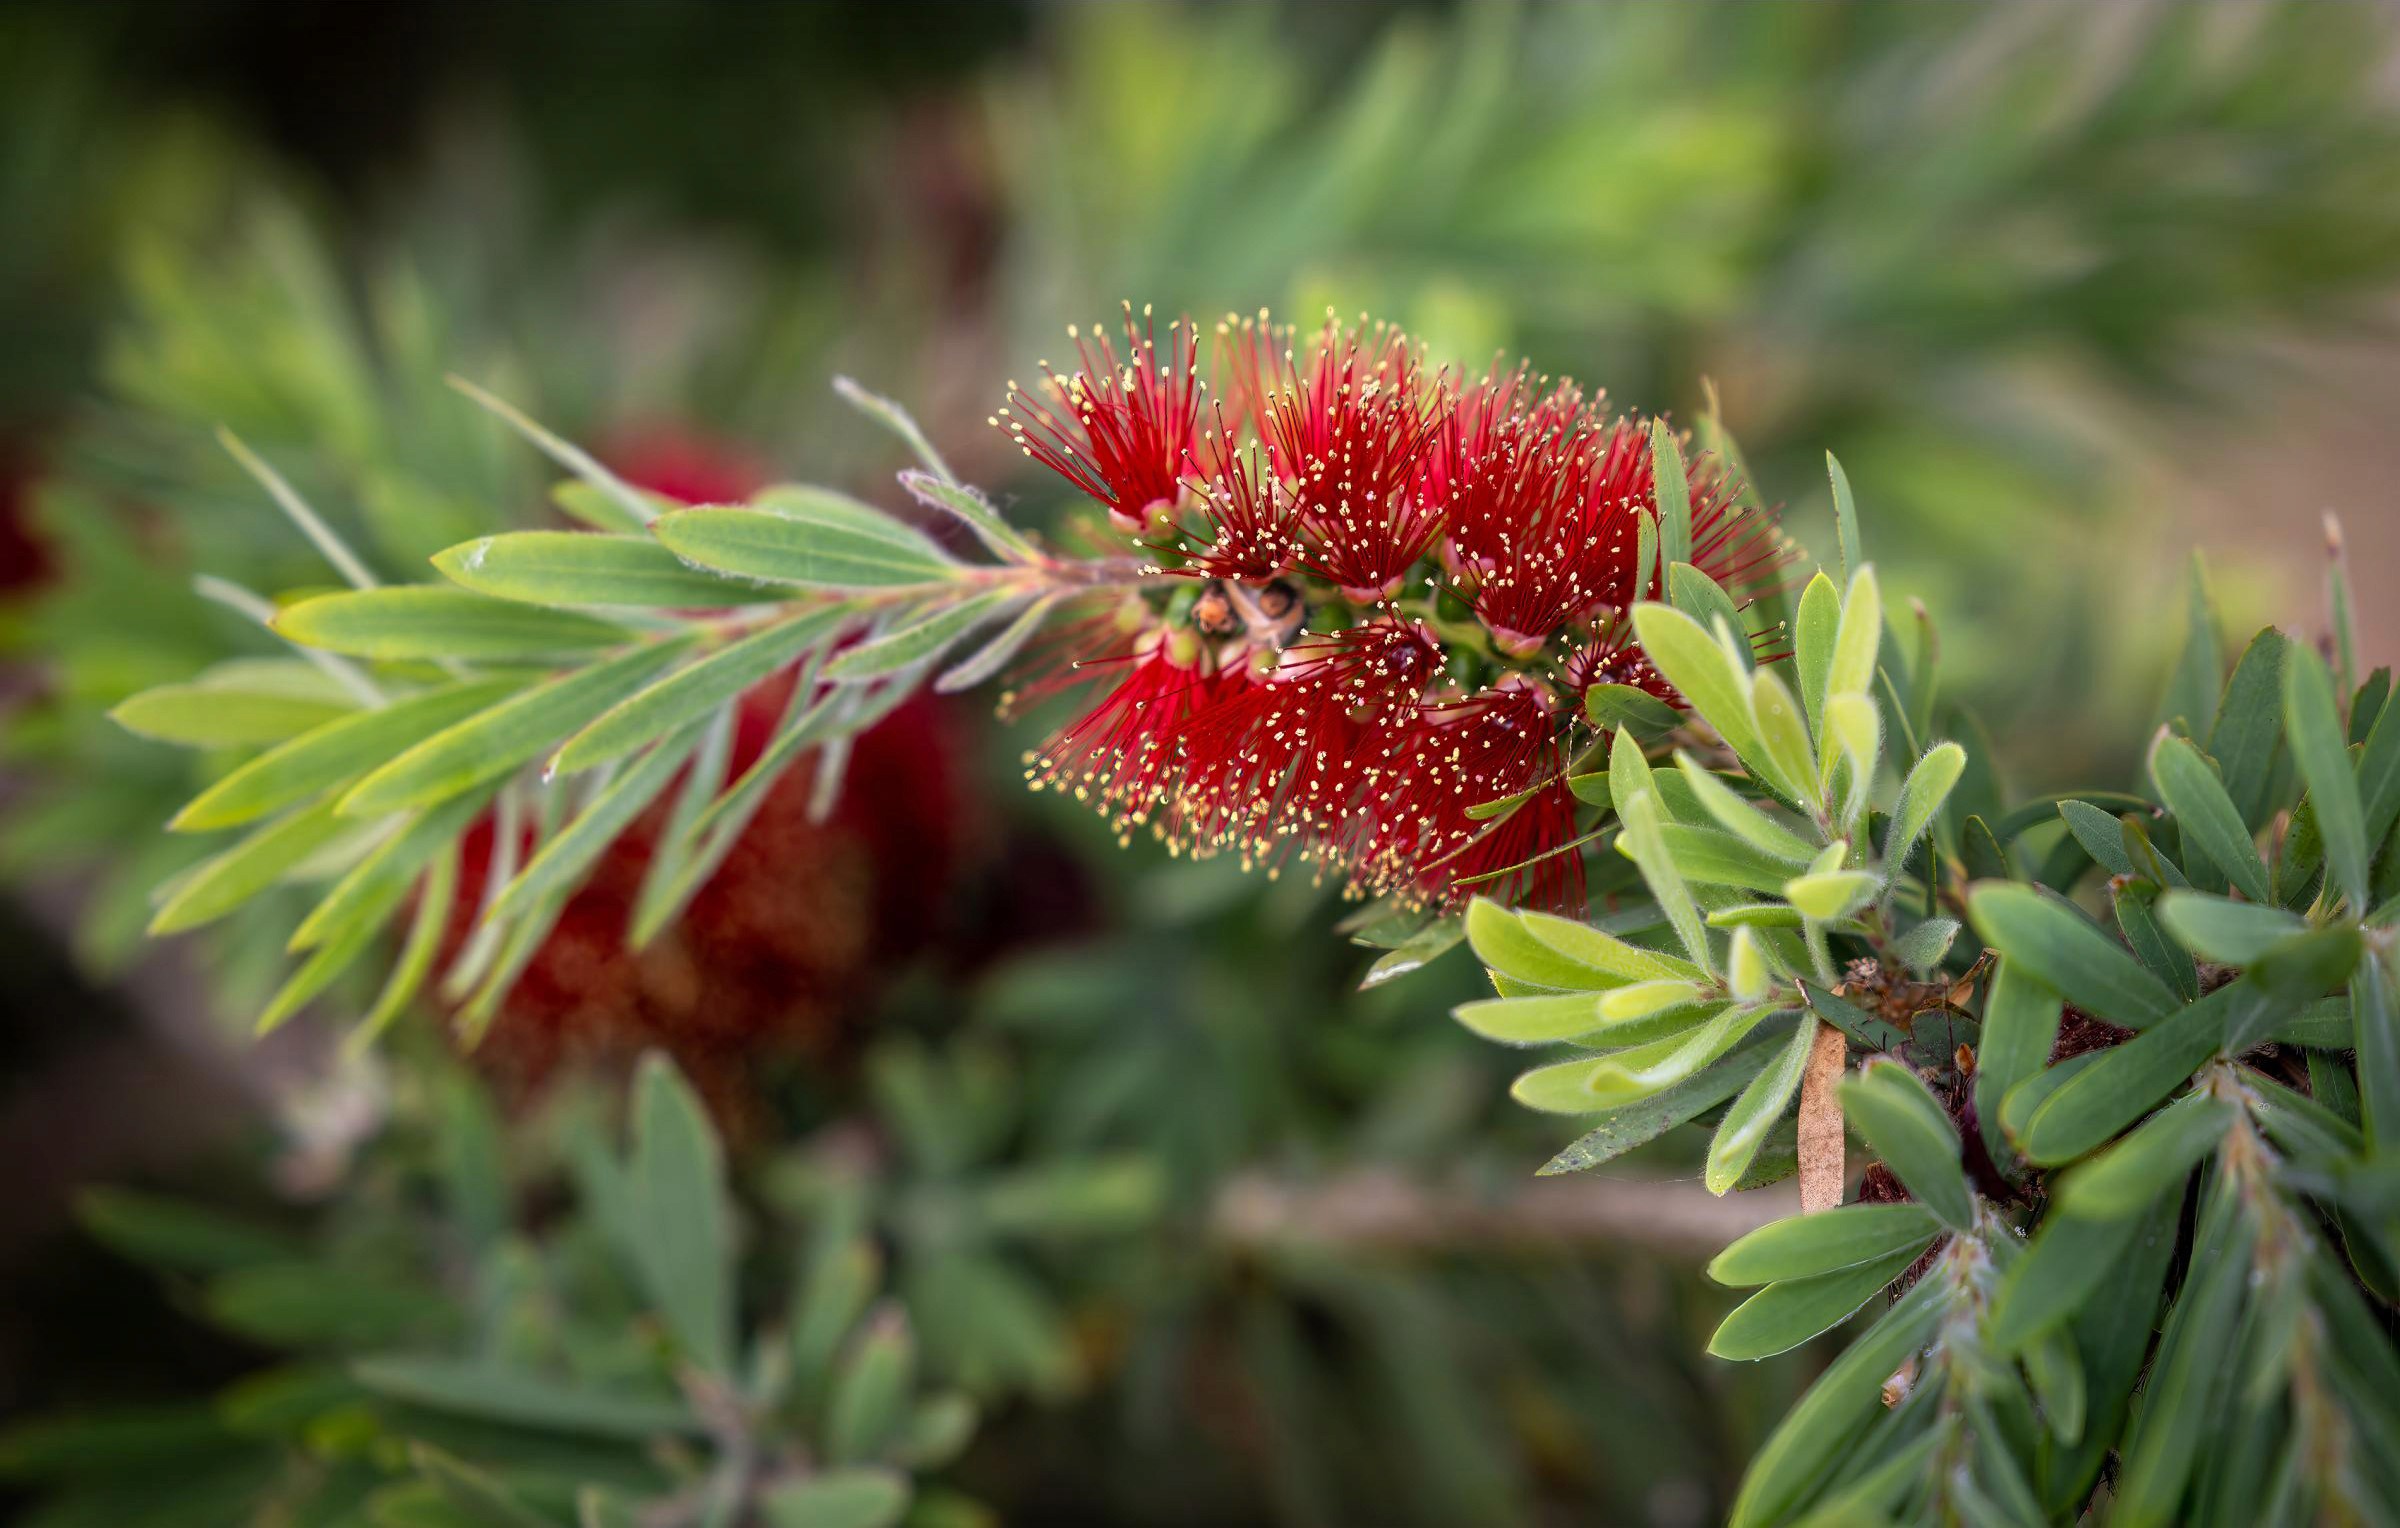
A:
(2092, 1100)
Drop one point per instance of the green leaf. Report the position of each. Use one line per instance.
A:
(1704, 600)
(844, 1498)
(843, 1273)
(2130, 1176)
(1924, 945)
(1857, 639)
(313, 1305)
(2062, 947)
(870, 1393)
(2132, 900)
(368, 892)
(2114, 1091)
(430, 621)
(2230, 933)
(1921, 796)
(1505, 942)
(570, 852)
(1706, 675)
(2314, 729)
(1783, 736)
(1615, 706)
(1414, 953)
(1831, 895)
(493, 1392)
(972, 510)
(697, 689)
(2302, 967)
(220, 714)
(483, 1499)
(1744, 1128)
(1531, 1020)
(337, 752)
(248, 868)
(920, 640)
(2055, 1372)
(1815, 632)
(1819, 1429)
(1782, 1316)
(1635, 1124)
(586, 568)
(2068, 1261)
(2102, 836)
(2249, 725)
(1706, 857)
(896, 419)
(1740, 818)
(1845, 518)
(436, 895)
(682, 1246)
(523, 727)
(175, 1236)
(1804, 1246)
(2375, 1021)
(1646, 842)
(2192, 694)
(1902, 1123)
(635, 508)
(2207, 815)
(2019, 1025)
(2379, 775)
(1623, 1076)
(1673, 495)
(817, 542)
(993, 656)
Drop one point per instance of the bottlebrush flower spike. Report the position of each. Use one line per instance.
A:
(1374, 599)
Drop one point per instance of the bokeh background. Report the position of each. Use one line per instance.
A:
(2072, 290)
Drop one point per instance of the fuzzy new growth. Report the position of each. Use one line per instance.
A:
(1381, 597)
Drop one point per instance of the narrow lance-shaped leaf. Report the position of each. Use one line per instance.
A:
(2021, 1015)
(921, 640)
(431, 621)
(2314, 728)
(1921, 796)
(336, 752)
(1804, 1246)
(1697, 666)
(2249, 725)
(1646, 846)
(1674, 495)
(1784, 1315)
(2230, 933)
(1845, 518)
(682, 1246)
(570, 852)
(248, 868)
(1857, 639)
(2207, 815)
(523, 727)
(1744, 1127)
(585, 568)
(2066, 951)
(1905, 1126)
(972, 509)
(697, 689)
(836, 546)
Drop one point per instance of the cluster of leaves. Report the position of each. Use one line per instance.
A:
(450, 1368)
(2181, 1112)
(563, 682)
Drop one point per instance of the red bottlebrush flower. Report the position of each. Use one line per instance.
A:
(1463, 754)
(1121, 755)
(1293, 750)
(1121, 431)
(1253, 525)
(1344, 494)
(1346, 437)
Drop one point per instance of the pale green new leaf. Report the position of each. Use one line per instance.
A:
(920, 640)
(1857, 639)
(1647, 844)
(1740, 818)
(1745, 1125)
(259, 861)
(1921, 796)
(697, 689)
(1697, 665)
